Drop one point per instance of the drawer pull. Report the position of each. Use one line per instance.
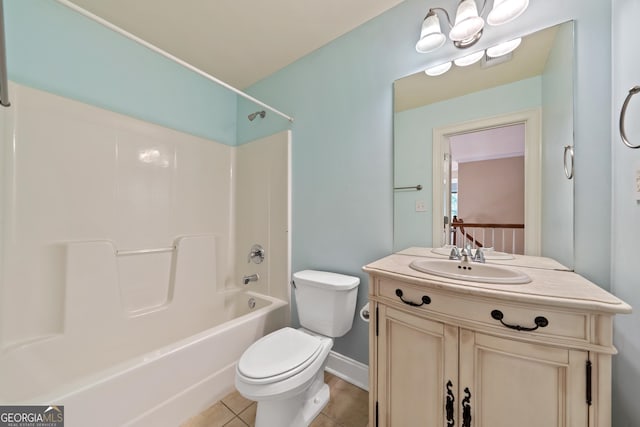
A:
(425, 299)
(540, 322)
(466, 408)
(449, 407)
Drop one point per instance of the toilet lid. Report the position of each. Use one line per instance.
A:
(284, 351)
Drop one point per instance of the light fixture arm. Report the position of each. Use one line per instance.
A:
(484, 5)
(433, 11)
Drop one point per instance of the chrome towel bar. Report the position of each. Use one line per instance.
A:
(415, 187)
(146, 251)
(4, 79)
(623, 113)
(568, 170)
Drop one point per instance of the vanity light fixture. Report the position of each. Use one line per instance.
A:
(501, 51)
(438, 69)
(503, 48)
(470, 59)
(468, 25)
(497, 54)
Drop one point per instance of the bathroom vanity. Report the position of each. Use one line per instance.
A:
(450, 352)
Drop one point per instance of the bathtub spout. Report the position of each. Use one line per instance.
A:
(250, 278)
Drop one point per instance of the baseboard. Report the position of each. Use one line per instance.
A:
(348, 369)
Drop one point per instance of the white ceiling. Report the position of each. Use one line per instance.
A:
(488, 144)
(238, 41)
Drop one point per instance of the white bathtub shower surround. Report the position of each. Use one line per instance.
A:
(118, 248)
(76, 173)
(262, 212)
(101, 322)
(166, 386)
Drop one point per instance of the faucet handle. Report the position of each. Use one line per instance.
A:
(455, 253)
(479, 256)
(256, 254)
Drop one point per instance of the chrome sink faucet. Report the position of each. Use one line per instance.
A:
(460, 254)
(467, 254)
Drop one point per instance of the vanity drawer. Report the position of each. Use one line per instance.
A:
(470, 310)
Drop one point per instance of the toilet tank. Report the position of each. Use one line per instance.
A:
(326, 301)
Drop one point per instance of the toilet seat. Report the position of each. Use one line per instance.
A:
(278, 356)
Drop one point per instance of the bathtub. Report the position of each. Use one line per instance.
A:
(162, 386)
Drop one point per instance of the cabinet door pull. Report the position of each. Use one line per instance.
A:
(540, 322)
(466, 408)
(449, 406)
(425, 299)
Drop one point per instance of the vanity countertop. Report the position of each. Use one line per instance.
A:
(515, 260)
(551, 283)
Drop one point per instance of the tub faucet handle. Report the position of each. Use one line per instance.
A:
(256, 254)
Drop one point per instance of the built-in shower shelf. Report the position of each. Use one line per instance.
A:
(104, 282)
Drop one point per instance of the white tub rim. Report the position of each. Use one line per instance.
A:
(94, 379)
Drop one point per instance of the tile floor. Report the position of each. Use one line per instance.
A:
(348, 407)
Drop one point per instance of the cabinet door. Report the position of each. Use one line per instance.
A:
(417, 370)
(506, 383)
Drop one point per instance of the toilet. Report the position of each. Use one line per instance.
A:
(284, 371)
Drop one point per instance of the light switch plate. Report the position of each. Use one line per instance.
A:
(421, 206)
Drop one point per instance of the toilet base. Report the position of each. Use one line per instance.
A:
(296, 411)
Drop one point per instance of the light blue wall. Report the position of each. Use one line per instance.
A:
(557, 131)
(341, 97)
(413, 139)
(52, 48)
(626, 214)
(248, 131)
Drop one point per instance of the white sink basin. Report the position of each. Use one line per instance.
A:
(470, 271)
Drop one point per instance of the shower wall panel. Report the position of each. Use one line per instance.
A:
(73, 173)
(262, 204)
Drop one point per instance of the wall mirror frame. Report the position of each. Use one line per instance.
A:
(534, 87)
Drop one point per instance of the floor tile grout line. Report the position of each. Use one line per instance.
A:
(227, 406)
(234, 418)
(336, 388)
(234, 412)
(239, 411)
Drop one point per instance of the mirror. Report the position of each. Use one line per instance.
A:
(436, 120)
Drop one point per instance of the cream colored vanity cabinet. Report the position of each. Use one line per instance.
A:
(454, 355)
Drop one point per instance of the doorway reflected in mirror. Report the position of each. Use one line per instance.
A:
(537, 80)
(486, 191)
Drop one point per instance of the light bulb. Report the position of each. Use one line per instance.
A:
(506, 11)
(467, 23)
(431, 36)
(438, 69)
(504, 48)
(469, 59)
